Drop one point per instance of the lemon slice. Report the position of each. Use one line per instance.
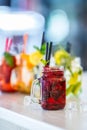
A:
(73, 78)
(35, 58)
(61, 56)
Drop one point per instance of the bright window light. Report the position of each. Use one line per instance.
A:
(18, 22)
(58, 26)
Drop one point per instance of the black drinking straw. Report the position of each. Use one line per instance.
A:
(49, 54)
(42, 39)
(46, 56)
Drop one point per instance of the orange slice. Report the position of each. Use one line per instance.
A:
(25, 59)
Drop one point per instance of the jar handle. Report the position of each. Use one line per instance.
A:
(36, 91)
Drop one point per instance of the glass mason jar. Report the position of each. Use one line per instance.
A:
(74, 79)
(53, 89)
(22, 76)
(50, 89)
(7, 64)
(21, 79)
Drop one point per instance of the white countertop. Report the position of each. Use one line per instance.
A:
(12, 109)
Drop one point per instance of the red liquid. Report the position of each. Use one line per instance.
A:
(53, 89)
(5, 74)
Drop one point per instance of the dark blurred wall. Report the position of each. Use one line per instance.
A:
(5, 2)
(82, 32)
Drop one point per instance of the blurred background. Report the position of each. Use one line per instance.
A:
(76, 11)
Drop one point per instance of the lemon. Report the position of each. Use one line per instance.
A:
(73, 78)
(61, 57)
(35, 58)
(32, 59)
(74, 84)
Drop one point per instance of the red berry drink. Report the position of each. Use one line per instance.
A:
(53, 89)
(6, 67)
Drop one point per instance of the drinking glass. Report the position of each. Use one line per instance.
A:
(7, 64)
(50, 89)
(21, 79)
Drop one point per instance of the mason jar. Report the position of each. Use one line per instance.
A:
(53, 89)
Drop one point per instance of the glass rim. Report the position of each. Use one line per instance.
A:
(53, 70)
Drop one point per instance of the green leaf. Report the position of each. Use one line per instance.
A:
(69, 90)
(37, 48)
(9, 59)
(42, 49)
(76, 88)
(80, 72)
(44, 62)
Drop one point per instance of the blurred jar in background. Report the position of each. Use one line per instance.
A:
(7, 64)
(72, 70)
(22, 76)
(74, 78)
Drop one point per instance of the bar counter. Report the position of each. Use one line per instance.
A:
(14, 115)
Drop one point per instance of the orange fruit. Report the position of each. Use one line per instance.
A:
(32, 59)
(25, 59)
